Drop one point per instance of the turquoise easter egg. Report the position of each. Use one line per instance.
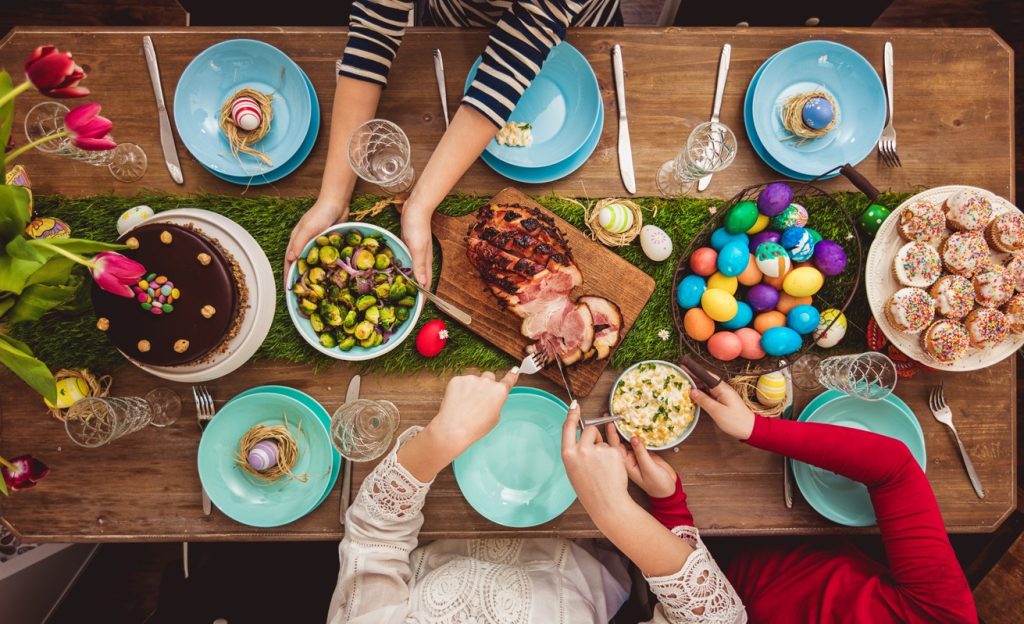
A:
(780, 341)
(721, 237)
(733, 259)
(803, 319)
(689, 291)
(744, 315)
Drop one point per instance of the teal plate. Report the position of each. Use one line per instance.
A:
(514, 475)
(835, 497)
(320, 412)
(247, 499)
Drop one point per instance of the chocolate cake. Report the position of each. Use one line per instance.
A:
(185, 309)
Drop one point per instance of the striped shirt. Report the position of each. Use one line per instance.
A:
(524, 31)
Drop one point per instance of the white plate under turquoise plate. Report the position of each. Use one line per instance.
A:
(247, 499)
(514, 475)
(835, 497)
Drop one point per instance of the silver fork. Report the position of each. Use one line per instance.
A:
(532, 363)
(887, 142)
(204, 414)
(942, 413)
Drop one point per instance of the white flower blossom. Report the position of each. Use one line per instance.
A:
(443, 334)
(663, 334)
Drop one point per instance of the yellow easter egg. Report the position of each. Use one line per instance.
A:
(719, 304)
(771, 389)
(830, 333)
(803, 281)
(69, 391)
(723, 282)
(759, 225)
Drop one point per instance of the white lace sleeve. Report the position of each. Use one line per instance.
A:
(699, 592)
(390, 493)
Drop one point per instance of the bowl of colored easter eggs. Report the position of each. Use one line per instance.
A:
(767, 279)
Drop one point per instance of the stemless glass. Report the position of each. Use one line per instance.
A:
(96, 421)
(871, 376)
(362, 430)
(379, 152)
(709, 149)
(127, 162)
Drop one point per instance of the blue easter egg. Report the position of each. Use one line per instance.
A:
(817, 113)
(744, 314)
(780, 341)
(798, 242)
(733, 259)
(689, 291)
(803, 319)
(721, 237)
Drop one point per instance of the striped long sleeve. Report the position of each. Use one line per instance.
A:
(375, 30)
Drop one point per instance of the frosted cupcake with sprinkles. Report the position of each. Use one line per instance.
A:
(968, 210)
(965, 253)
(953, 295)
(993, 287)
(1015, 267)
(910, 310)
(1006, 232)
(923, 222)
(917, 264)
(987, 327)
(946, 341)
(1014, 312)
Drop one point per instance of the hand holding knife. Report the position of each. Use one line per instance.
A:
(723, 74)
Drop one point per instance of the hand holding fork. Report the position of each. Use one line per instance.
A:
(535, 362)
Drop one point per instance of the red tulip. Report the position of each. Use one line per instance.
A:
(116, 273)
(27, 471)
(55, 73)
(88, 129)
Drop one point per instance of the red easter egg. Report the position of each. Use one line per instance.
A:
(725, 346)
(751, 343)
(704, 261)
(433, 336)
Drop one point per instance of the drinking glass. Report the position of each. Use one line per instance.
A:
(379, 153)
(870, 376)
(96, 421)
(709, 149)
(362, 430)
(127, 162)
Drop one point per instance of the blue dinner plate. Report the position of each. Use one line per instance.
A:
(247, 499)
(835, 497)
(562, 104)
(852, 82)
(210, 80)
(293, 163)
(514, 475)
(318, 410)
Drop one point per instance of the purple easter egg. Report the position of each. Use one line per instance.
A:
(775, 198)
(762, 297)
(263, 455)
(829, 257)
(767, 236)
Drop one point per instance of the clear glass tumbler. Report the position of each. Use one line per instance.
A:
(96, 421)
(379, 152)
(871, 376)
(362, 430)
(709, 149)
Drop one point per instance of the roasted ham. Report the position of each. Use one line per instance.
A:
(527, 265)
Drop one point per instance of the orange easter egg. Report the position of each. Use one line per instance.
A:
(767, 320)
(787, 302)
(698, 324)
(750, 275)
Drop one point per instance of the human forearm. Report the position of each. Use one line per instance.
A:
(355, 101)
(652, 547)
(426, 455)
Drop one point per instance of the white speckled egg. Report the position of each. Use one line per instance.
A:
(132, 217)
(655, 243)
(615, 218)
(771, 389)
(834, 334)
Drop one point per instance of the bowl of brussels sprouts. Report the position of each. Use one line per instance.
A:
(348, 293)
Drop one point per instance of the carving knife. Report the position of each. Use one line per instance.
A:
(625, 148)
(346, 476)
(723, 73)
(166, 135)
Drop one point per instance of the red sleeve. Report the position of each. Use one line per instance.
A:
(924, 568)
(672, 510)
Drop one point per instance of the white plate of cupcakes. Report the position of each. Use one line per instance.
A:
(945, 278)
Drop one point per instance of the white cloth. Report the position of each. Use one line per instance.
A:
(386, 578)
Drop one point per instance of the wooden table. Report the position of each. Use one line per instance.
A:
(955, 117)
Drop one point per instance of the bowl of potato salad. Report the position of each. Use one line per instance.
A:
(652, 401)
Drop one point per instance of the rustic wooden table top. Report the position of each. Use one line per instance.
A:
(955, 117)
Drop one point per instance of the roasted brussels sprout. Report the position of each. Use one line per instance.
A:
(383, 291)
(329, 256)
(372, 243)
(364, 330)
(353, 238)
(317, 291)
(316, 275)
(397, 291)
(387, 252)
(402, 314)
(316, 322)
(407, 302)
(346, 252)
(327, 340)
(346, 343)
(380, 278)
(387, 317)
(381, 262)
(307, 307)
(349, 330)
(313, 257)
(335, 239)
(372, 314)
(363, 260)
(332, 315)
(323, 241)
(347, 299)
(303, 266)
(364, 302)
(300, 290)
(350, 319)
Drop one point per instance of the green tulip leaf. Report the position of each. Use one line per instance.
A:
(55, 272)
(14, 211)
(3, 487)
(14, 273)
(81, 245)
(6, 113)
(37, 300)
(16, 356)
(20, 248)
(6, 304)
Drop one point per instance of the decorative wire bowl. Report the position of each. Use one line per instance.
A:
(837, 292)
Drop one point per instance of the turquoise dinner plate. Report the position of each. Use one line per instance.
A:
(852, 82)
(245, 498)
(833, 496)
(514, 475)
(561, 104)
(292, 163)
(210, 80)
(320, 412)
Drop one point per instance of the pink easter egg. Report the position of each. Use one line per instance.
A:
(725, 346)
(750, 341)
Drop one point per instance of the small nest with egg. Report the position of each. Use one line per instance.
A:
(746, 386)
(287, 451)
(242, 140)
(98, 387)
(591, 215)
(793, 117)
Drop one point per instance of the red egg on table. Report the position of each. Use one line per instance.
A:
(750, 341)
(787, 302)
(725, 346)
(704, 261)
(767, 320)
(698, 324)
(750, 275)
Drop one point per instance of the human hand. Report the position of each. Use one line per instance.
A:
(321, 215)
(727, 409)
(417, 237)
(595, 469)
(649, 471)
(470, 409)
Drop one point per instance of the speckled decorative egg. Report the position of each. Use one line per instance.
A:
(751, 342)
(615, 218)
(798, 243)
(132, 217)
(825, 336)
(47, 227)
(830, 258)
(698, 325)
(689, 291)
(733, 259)
(794, 215)
(760, 224)
(720, 238)
(771, 389)
(774, 198)
(744, 315)
(762, 297)
(741, 217)
(767, 236)
(767, 320)
(723, 282)
(750, 275)
(432, 337)
(69, 391)
(772, 259)
(817, 113)
(803, 281)
(815, 235)
(803, 319)
(787, 302)
(263, 455)
(703, 261)
(718, 304)
(780, 341)
(655, 242)
(725, 346)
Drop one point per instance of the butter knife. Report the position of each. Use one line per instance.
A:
(723, 74)
(439, 74)
(166, 136)
(450, 309)
(787, 470)
(346, 476)
(625, 148)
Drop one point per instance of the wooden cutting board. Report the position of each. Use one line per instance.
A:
(605, 274)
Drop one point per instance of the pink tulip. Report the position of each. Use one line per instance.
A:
(55, 73)
(88, 129)
(116, 273)
(27, 471)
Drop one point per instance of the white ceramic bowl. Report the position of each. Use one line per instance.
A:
(689, 429)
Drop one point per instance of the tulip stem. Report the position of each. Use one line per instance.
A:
(46, 139)
(8, 465)
(15, 92)
(63, 252)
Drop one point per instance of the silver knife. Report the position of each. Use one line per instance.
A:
(346, 476)
(787, 471)
(625, 149)
(439, 74)
(723, 73)
(166, 136)
(448, 308)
